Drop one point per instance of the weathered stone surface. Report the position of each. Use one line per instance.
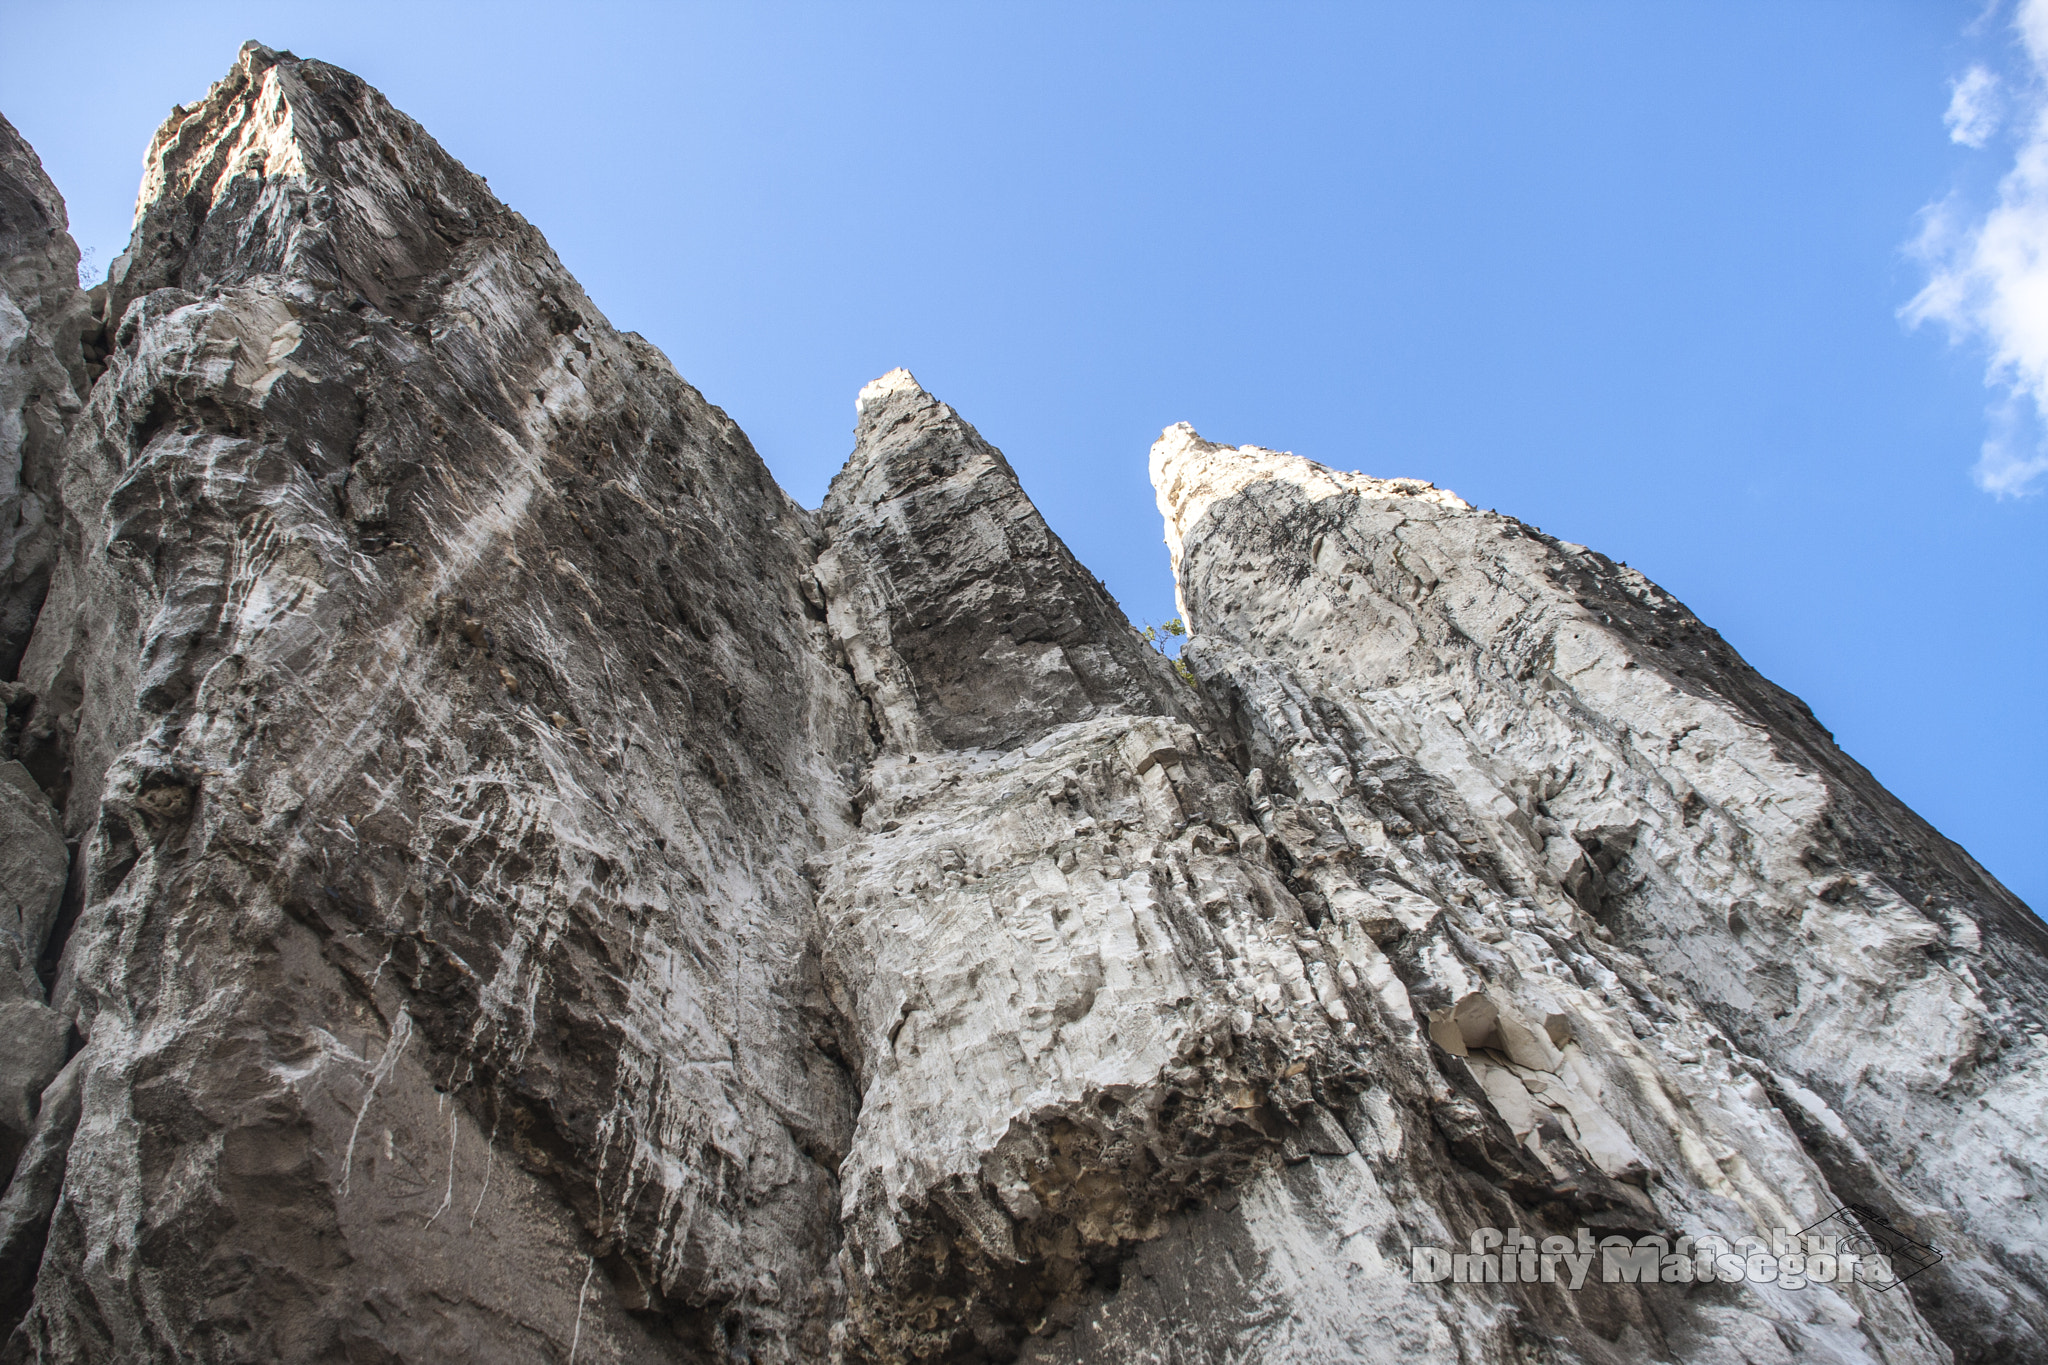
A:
(35, 1040)
(34, 1187)
(542, 895)
(966, 621)
(33, 865)
(48, 357)
(435, 695)
(1792, 989)
(46, 327)
(1046, 1059)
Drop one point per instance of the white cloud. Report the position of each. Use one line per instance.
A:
(2013, 458)
(1972, 115)
(1988, 279)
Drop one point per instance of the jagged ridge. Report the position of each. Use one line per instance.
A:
(511, 885)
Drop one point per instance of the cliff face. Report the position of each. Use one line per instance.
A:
(493, 879)
(47, 343)
(434, 697)
(46, 329)
(1787, 989)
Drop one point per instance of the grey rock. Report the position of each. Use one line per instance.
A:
(36, 1184)
(38, 1039)
(1049, 963)
(542, 895)
(1792, 992)
(33, 865)
(44, 320)
(966, 620)
(446, 728)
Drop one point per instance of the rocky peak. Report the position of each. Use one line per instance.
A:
(874, 393)
(485, 876)
(1191, 475)
(299, 170)
(1617, 775)
(965, 616)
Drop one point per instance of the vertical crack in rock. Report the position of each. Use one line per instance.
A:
(485, 876)
(48, 355)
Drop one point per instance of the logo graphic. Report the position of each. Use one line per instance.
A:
(1890, 1257)
(1854, 1244)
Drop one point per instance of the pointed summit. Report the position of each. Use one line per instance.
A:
(968, 621)
(369, 475)
(876, 391)
(1191, 475)
(297, 168)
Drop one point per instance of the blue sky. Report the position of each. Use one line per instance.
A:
(1638, 274)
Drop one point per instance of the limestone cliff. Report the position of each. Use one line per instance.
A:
(490, 878)
(434, 699)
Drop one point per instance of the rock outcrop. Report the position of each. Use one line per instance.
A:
(47, 346)
(435, 700)
(490, 878)
(48, 349)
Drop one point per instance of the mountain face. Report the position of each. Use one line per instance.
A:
(490, 878)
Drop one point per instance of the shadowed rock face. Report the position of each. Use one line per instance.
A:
(487, 877)
(46, 330)
(961, 612)
(46, 343)
(436, 703)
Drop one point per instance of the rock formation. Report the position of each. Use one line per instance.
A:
(49, 346)
(491, 878)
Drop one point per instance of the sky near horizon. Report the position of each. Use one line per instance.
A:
(1744, 294)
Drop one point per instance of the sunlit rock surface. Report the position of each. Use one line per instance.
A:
(1782, 989)
(489, 878)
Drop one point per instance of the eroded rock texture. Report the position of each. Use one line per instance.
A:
(490, 878)
(1764, 985)
(46, 346)
(436, 701)
(47, 336)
